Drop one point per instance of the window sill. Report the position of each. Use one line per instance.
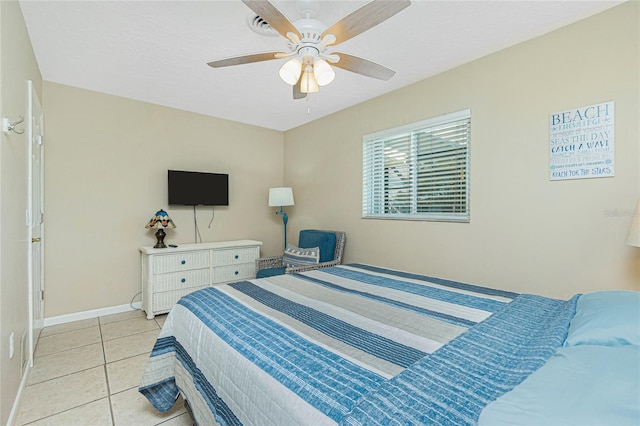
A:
(458, 218)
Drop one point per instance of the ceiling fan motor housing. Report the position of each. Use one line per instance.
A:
(311, 30)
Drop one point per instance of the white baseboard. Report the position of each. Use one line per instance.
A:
(94, 313)
(16, 402)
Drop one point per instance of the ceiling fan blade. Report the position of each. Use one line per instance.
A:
(273, 16)
(364, 18)
(363, 66)
(245, 59)
(297, 92)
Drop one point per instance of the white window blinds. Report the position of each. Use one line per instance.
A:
(419, 171)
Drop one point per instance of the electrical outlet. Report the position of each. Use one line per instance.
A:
(12, 341)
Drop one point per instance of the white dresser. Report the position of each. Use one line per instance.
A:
(173, 272)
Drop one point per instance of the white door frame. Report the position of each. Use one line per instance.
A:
(35, 218)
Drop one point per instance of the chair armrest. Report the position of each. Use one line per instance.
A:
(269, 262)
(311, 267)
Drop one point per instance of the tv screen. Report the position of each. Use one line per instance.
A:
(197, 188)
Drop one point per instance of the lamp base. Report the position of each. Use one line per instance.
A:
(285, 219)
(160, 239)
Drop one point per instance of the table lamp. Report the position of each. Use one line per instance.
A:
(160, 220)
(281, 197)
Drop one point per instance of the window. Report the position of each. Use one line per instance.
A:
(419, 171)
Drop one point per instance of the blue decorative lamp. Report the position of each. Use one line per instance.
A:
(160, 220)
(280, 197)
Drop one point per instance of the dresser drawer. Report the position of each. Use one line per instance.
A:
(233, 256)
(242, 271)
(163, 302)
(180, 261)
(180, 280)
(169, 274)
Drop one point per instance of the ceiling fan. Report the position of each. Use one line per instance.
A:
(310, 43)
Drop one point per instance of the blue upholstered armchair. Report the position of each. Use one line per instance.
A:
(331, 244)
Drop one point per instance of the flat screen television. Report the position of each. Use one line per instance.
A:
(197, 188)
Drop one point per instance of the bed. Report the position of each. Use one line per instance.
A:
(363, 345)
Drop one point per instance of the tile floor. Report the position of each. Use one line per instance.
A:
(88, 372)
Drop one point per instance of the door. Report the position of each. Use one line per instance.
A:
(36, 219)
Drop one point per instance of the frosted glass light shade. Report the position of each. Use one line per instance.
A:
(323, 72)
(308, 83)
(280, 197)
(290, 71)
(633, 236)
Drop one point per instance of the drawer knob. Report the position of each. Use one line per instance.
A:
(183, 280)
(236, 272)
(237, 256)
(183, 261)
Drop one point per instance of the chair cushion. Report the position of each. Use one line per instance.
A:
(326, 241)
(296, 256)
(270, 272)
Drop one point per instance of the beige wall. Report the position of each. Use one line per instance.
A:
(527, 233)
(17, 66)
(105, 172)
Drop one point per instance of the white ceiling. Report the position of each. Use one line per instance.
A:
(156, 51)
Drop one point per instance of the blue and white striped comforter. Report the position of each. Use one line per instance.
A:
(350, 344)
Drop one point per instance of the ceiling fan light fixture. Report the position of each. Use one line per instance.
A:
(308, 40)
(290, 71)
(323, 72)
(308, 84)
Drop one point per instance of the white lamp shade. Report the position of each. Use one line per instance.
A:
(280, 197)
(308, 83)
(633, 237)
(323, 72)
(290, 71)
